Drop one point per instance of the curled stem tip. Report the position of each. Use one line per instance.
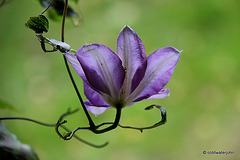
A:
(161, 122)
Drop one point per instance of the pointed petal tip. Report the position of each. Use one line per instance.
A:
(126, 28)
(171, 49)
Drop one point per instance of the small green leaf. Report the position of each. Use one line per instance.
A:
(5, 105)
(11, 148)
(39, 24)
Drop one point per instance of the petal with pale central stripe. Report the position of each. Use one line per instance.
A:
(131, 51)
(160, 67)
(102, 67)
(160, 95)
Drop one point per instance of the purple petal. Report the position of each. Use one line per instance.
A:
(95, 110)
(160, 67)
(102, 67)
(95, 98)
(132, 53)
(160, 95)
(76, 65)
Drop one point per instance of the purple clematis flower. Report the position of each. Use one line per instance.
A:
(121, 79)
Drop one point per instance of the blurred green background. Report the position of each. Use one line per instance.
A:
(203, 109)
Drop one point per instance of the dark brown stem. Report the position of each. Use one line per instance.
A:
(47, 7)
(54, 125)
(27, 119)
(94, 129)
(91, 123)
(113, 126)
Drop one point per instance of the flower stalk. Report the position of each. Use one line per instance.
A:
(91, 123)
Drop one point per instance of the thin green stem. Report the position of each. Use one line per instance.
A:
(68, 113)
(27, 119)
(54, 125)
(161, 122)
(88, 143)
(63, 20)
(91, 123)
(57, 126)
(94, 129)
(113, 126)
(47, 7)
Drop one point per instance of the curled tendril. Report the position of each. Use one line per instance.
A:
(69, 135)
(161, 122)
(92, 128)
(88, 143)
(59, 124)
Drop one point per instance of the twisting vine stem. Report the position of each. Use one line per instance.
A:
(47, 7)
(69, 135)
(114, 124)
(54, 125)
(92, 127)
(161, 122)
(63, 19)
(91, 123)
(28, 119)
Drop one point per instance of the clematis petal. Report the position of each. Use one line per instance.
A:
(94, 97)
(160, 67)
(96, 103)
(131, 51)
(160, 95)
(95, 110)
(76, 65)
(102, 67)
